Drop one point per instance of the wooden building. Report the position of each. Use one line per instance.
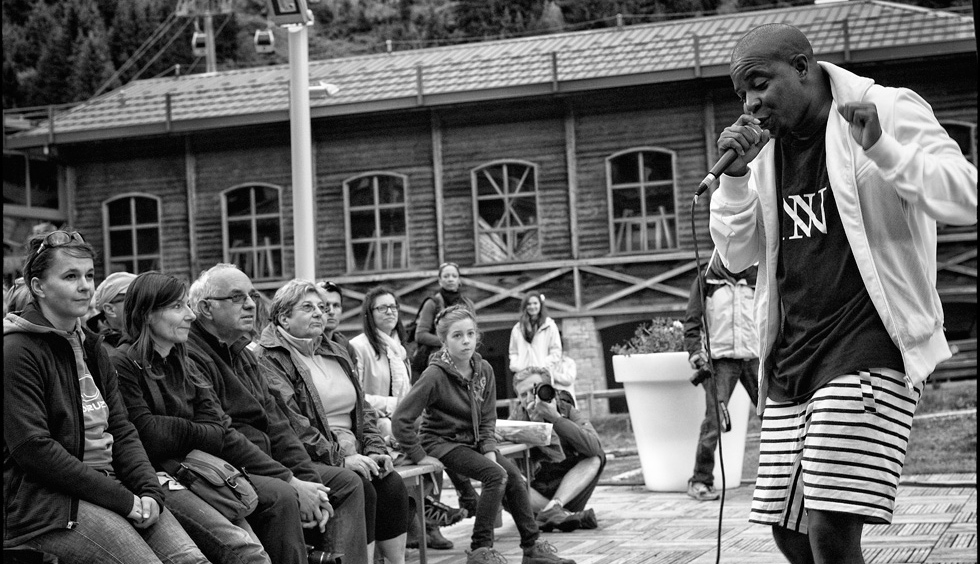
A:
(564, 163)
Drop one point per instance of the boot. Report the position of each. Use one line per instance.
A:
(414, 533)
(544, 553)
(435, 540)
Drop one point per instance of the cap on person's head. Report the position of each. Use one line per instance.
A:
(115, 284)
(526, 373)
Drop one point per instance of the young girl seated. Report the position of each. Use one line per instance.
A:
(457, 395)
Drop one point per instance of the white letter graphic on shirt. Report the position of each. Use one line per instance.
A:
(803, 227)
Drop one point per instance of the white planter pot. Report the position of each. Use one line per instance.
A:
(666, 413)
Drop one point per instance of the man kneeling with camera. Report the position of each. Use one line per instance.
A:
(559, 490)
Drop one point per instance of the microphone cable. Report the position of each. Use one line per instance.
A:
(713, 379)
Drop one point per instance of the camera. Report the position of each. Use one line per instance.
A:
(703, 373)
(317, 556)
(544, 392)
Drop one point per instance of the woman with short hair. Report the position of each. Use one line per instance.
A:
(313, 378)
(77, 481)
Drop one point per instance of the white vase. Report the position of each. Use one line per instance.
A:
(666, 413)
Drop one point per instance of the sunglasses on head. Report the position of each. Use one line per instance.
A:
(58, 239)
(329, 287)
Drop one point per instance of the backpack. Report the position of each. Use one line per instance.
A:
(412, 327)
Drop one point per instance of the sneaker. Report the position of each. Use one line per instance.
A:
(485, 555)
(543, 553)
(439, 514)
(558, 518)
(701, 491)
(587, 519)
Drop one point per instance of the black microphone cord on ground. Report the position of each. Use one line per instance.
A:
(712, 381)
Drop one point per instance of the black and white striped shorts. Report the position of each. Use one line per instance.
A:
(843, 450)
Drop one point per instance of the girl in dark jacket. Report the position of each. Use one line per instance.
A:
(77, 482)
(175, 411)
(456, 397)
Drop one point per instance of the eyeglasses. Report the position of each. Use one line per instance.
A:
(308, 307)
(392, 308)
(58, 239)
(237, 298)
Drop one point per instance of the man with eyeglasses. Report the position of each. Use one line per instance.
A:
(224, 301)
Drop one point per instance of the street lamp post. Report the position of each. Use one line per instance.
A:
(301, 140)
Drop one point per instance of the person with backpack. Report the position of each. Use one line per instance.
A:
(423, 331)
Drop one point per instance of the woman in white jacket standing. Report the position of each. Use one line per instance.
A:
(534, 340)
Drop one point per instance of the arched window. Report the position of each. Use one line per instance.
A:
(377, 222)
(132, 233)
(252, 230)
(965, 135)
(505, 206)
(642, 215)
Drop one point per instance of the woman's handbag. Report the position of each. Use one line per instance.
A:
(217, 482)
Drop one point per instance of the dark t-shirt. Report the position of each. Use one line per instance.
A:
(830, 326)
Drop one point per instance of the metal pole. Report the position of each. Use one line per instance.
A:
(211, 57)
(304, 236)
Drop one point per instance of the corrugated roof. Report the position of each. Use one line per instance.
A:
(563, 62)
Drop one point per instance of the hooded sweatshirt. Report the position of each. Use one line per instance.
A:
(44, 474)
(457, 412)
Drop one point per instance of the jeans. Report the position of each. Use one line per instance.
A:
(218, 538)
(503, 485)
(103, 536)
(277, 521)
(728, 373)
(347, 529)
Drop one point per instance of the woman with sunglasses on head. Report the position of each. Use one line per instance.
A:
(314, 380)
(77, 481)
(456, 398)
(175, 411)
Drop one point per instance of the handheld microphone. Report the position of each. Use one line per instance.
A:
(725, 161)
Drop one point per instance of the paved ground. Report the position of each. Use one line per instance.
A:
(935, 523)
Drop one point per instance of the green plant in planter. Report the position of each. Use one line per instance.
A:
(661, 334)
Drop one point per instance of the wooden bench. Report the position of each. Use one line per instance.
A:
(413, 476)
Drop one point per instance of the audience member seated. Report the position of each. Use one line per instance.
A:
(314, 380)
(560, 489)
(77, 482)
(456, 397)
(109, 298)
(174, 409)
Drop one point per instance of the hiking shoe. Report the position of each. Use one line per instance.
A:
(435, 540)
(587, 519)
(543, 553)
(485, 555)
(439, 514)
(558, 518)
(701, 491)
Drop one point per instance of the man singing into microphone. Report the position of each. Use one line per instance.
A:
(835, 192)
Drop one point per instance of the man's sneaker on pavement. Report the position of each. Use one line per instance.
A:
(543, 552)
(484, 555)
(701, 491)
(558, 518)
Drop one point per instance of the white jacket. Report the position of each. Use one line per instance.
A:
(889, 198)
(543, 351)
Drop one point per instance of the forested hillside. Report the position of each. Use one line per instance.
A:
(59, 51)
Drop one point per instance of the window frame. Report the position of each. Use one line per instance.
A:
(673, 231)
(376, 208)
(253, 218)
(972, 156)
(132, 227)
(55, 215)
(535, 173)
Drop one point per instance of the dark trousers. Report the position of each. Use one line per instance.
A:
(728, 373)
(276, 521)
(347, 529)
(503, 486)
(385, 507)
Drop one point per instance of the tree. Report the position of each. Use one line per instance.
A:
(91, 66)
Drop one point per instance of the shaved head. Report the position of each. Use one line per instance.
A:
(777, 42)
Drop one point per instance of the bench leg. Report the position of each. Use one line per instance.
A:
(420, 509)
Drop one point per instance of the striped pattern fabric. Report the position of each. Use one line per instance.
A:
(843, 450)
